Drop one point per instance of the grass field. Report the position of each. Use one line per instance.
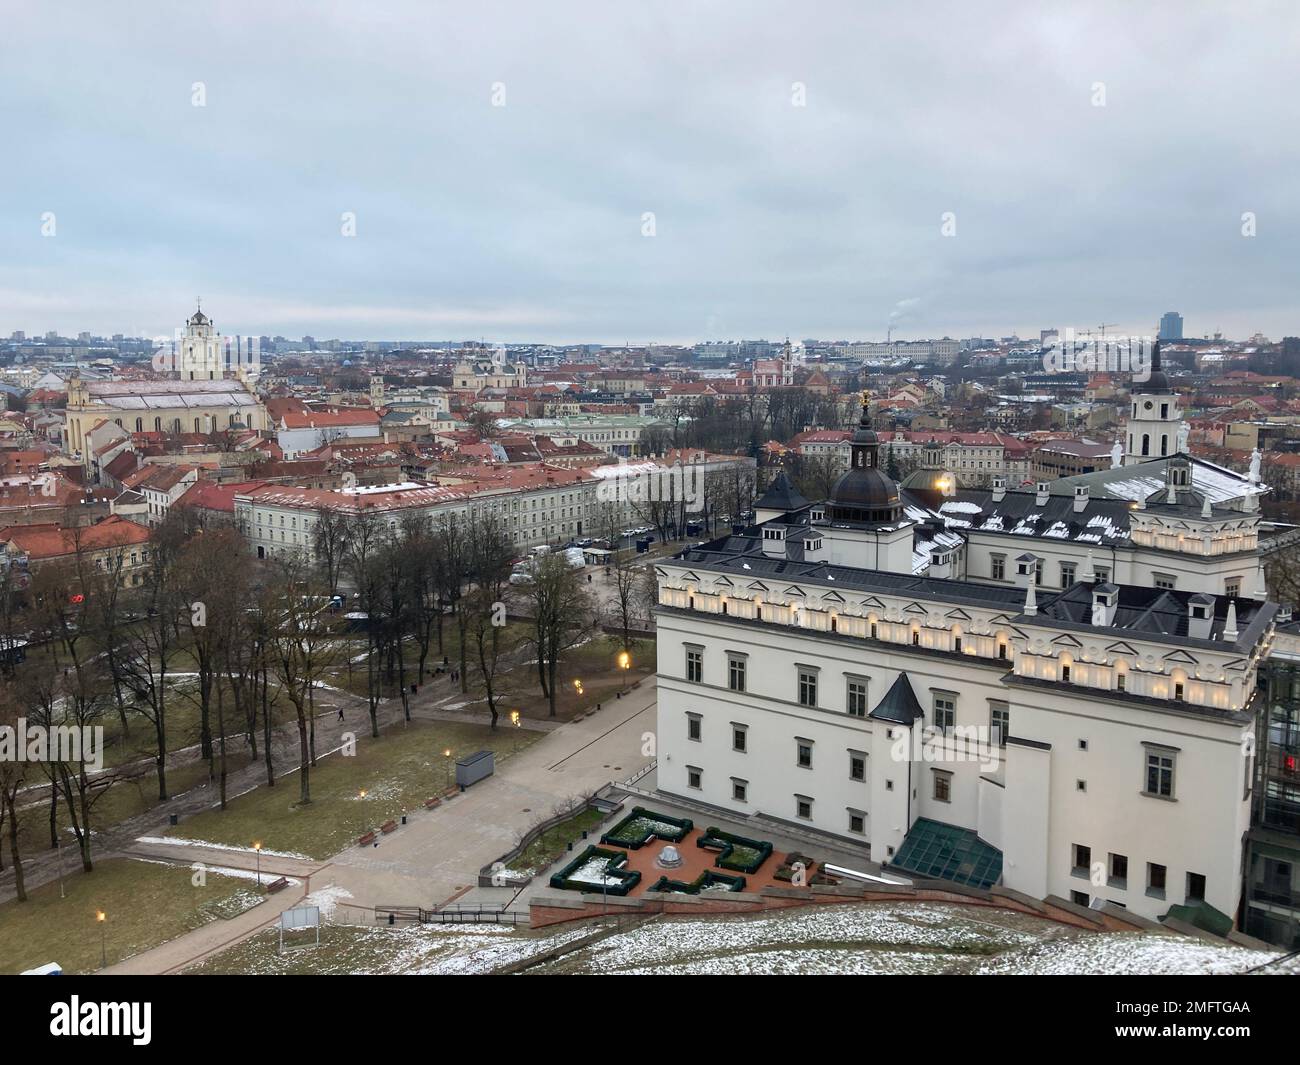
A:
(397, 772)
(548, 847)
(145, 904)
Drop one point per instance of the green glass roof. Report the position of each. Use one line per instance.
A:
(946, 852)
(1203, 916)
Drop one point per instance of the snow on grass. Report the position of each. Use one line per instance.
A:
(888, 938)
(1126, 954)
(177, 841)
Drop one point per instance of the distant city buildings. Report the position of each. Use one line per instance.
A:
(1171, 326)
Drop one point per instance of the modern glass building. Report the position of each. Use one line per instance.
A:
(1271, 899)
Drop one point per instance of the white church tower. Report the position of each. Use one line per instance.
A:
(200, 357)
(1155, 422)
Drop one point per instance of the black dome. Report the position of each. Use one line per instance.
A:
(1157, 382)
(865, 487)
(865, 493)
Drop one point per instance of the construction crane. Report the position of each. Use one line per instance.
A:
(1104, 326)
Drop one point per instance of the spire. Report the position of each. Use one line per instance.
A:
(1089, 574)
(1230, 622)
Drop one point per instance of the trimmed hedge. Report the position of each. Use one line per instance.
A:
(627, 878)
(706, 879)
(637, 840)
(725, 843)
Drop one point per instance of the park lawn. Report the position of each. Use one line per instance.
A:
(146, 904)
(549, 846)
(398, 772)
(351, 675)
(125, 799)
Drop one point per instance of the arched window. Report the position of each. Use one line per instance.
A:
(139, 425)
(1164, 444)
(1146, 443)
(157, 425)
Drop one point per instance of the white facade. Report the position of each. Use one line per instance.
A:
(1072, 774)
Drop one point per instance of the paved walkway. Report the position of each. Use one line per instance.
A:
(437, 855)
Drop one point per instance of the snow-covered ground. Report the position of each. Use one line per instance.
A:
(889, 938)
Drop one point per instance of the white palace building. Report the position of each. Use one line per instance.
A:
(1051, 689)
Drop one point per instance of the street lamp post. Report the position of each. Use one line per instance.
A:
(514, 720)
(447, 755)
(257, 847)
(624, 663)
(101, 917)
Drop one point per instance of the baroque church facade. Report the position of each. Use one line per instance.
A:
(207, 390)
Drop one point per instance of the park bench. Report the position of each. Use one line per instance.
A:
(277, 885)
(387, 827)
(366, 840)
(431, 804)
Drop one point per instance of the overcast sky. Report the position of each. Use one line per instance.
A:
(526, 221)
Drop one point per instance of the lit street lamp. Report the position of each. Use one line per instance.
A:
(447, 755)
(514, 720)
(257, 846)
(624, 663)
(101, 917)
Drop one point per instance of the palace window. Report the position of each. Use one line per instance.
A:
(1160, 774)
(945, 711)
(856, 700)
(807, 687)
(736, 673)
(942, 786)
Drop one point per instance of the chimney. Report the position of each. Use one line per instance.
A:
(1200, 616)
(1080, 498)
(999, 489)
(1105, 604)
(1040, 500)
(1230, 632)
(1027, 569)
(1031, 602)
(1205, 508)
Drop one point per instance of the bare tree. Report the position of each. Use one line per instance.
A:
(329, 533)
(562, 617)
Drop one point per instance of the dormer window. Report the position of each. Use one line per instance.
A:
(819, 515)
(815, 545)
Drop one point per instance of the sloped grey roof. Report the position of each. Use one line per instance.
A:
(900, 704)
(781, 495)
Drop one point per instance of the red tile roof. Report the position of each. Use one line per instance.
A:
(51, 540)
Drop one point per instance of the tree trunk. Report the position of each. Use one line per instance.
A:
(20, 888)
(266, 730)
(303, 758)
